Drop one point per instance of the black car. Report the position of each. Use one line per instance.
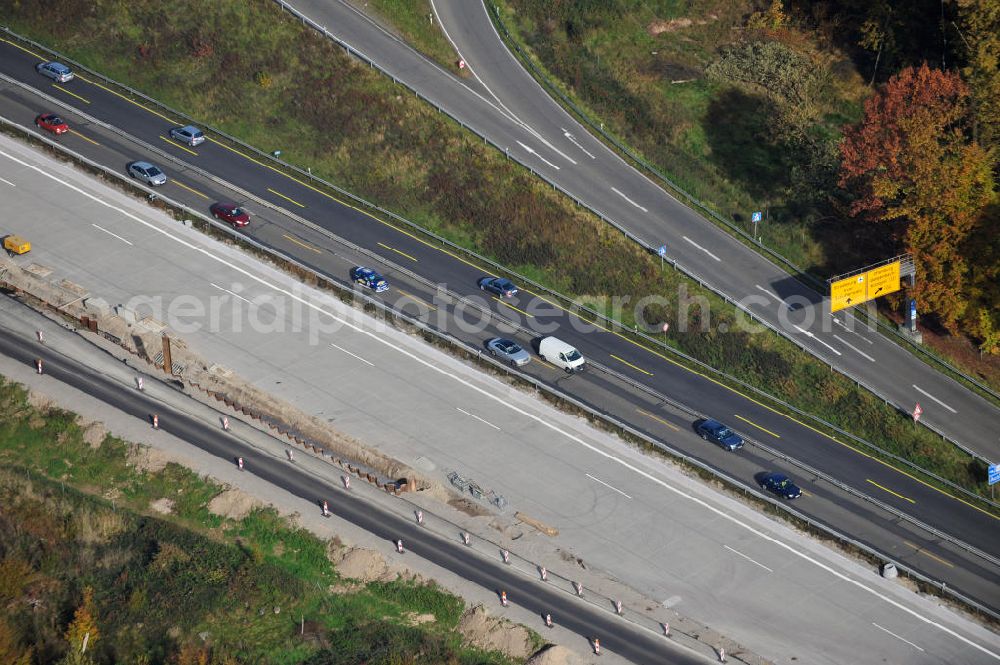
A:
(780, 484)
(713, 430)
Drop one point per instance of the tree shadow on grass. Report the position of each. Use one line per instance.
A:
(743, 134)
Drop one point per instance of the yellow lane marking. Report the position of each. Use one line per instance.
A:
(763, 429)
(636, 368)
(127, 99)
(546, 363)
(886, 489)
(190, 189)
(303, 244)
(85, 138)
(177, 145)
(921, 550)
(530, 316)
(805, 493)
(393, 249)
(465, 261)
(16, 45)
(416, 299)
(659, 420)
(71, 94)
(285, 197)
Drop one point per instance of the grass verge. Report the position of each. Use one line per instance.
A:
(357, 129)
(188, 587)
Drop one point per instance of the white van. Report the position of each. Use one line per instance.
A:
(560, 354)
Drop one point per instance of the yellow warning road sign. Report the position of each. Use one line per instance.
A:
(883, 280)
(864, 286)
(847, 292)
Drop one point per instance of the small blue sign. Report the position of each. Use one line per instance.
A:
(661, 250)
(756, 217)
(994, 474)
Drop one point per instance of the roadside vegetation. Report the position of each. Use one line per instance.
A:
(745, 105)
(83, 556)
(357, 129)
(414, 21)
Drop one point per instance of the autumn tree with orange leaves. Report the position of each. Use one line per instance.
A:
(911, 165)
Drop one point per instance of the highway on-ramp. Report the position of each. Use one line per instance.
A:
(644, 523)
(918, 549)
(506, 105)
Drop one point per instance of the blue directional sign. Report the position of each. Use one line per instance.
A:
(994, 474)
(756, 217)
(661, 250)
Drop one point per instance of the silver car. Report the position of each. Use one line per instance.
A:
(148, 173)
(56, 71)
(188, 134)
(508, 351)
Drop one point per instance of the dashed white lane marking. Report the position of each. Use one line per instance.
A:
(924, 392)
(862, 337)
(608, 486)
(340, 348)
(115, 235)
(701, 248)
(772, 294)
(897, 636)
(756, 563)
(573, 140)
(532, 151)
(8, 182)
(812, 336)
(541, 421)
(472, 415)
(616, 191)
(232, 293)
(851, 346)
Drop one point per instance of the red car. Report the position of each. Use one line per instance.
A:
(51, 122)
(230, 212)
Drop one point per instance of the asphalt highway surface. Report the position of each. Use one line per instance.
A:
(503, 103)
(825, 503)
(616, 635)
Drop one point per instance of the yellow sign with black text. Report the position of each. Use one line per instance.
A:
(864, 286)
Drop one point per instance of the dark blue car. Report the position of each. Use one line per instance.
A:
(713, 430)
(369, 278)
(499, 285)
(780, 484)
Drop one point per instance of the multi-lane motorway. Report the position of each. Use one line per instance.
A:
(630, 517)
(920, 550)
(506, 105)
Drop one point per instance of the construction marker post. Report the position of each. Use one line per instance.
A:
(578, 588)
(420, 517)
(291, 455)
(156, 421)
(506, 556)
(503, 598)
(666, 629)
(722, 654)
(347, 482)
(225, 423)
(618, 607)
(41, 336)
(326, 509)
(138, 383)
(38, 365)
(597, 646)
(548, 620)
(466, 539)
(544, 574)
(239, 462)
(399, 546)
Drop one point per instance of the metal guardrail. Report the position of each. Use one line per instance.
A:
(430, 235)
(537, 385)
(818, 283)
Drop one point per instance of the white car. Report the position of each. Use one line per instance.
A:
(148, 173)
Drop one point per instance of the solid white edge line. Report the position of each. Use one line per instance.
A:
(924, 392)
(851, 346)
(813, 337)
(101, 228)
(789, 549)
(772, 294)
(8, 182)
(472, 415)
(757, 563)
(610, 487)
(901, 639)
(340, 348)
(853, 332)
